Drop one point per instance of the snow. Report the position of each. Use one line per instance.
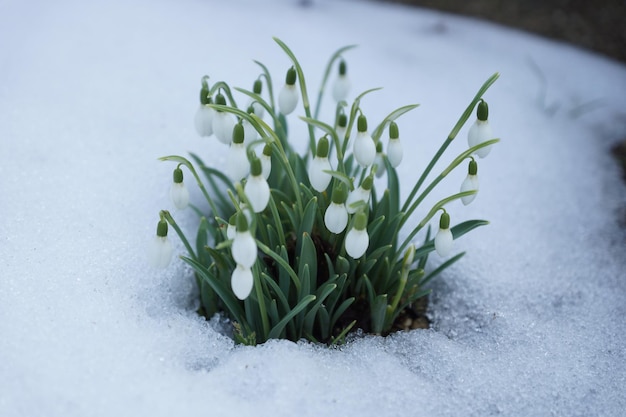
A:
(529, 322)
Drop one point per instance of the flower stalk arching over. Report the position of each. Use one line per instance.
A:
(291, 245)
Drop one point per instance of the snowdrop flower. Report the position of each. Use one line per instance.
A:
(231, 229)
(178, 192)
(160, 251)
(266, 160)
(237, 164)
(241, 281)
(364, 146)
(257, 88)
(480, 131)
(361, 194)
(318, 178)
(244, 248)
(204, 115)
(357, 239)
(336, 216)
(379, 160)
(288, 97)
(223, 122)
(444, 238)
(256, 189)
(342, 85)
(394, 148)
(470, 183)
(342, 127)
(249, 132)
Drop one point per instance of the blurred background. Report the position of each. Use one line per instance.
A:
(595, 25)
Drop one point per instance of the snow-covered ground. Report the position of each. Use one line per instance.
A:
(530, 322)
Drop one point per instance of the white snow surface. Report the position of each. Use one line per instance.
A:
(530, 322)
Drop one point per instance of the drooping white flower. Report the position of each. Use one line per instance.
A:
(444, 238)
(242, 281)
(244, 249)
(288, 96)
(480, 131)
(160, 250)
(364, 147)
(342, 128)
(342, 84)
(470, 183)
(178, 192)
(360, 194)
(231, 229)
(223, 122)
(394, 148)
(379, 160)
(204, 115)
(317, 177)
(257, 88)
(237, 164)
(266, 160)
(257, 189)
(357, 240)
(336, 215)
(250, 133)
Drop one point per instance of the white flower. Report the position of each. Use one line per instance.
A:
(379, 160)
(231, 229)
(357, 240)
(241, 281)
(480, 131)
(244, 247)
(364, 147)
(336, 215)
(288, 97)
(223, 122)
(256, 189)
(237, 164)
(444, 238)
(266, 161)
(470, 183)
(204, 120)
(336, 218)
(257, 88)
(360, 194)
(342, 85)
(317, 177)
(250, 133)
(160, 250)
(342, 128)
(394, 148)
(178, 192)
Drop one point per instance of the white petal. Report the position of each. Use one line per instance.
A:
(223, 125)
(356, 242)
(231, 231)
(288, 99)
(237, 164)
(160, 252)
(478, 133)
(336, 218)
(364, 149)
(341, 88)
(381, 167)
(244, 249)
(469, 184)
(241, 281)
(358, 194)
(258, 192)
(179, 195)
(443, 242)
(266, 165)
(394, 152)
(204, 120)
(259, 110)
(318, 178)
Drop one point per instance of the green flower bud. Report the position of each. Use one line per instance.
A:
(258, 86)
(339, 194)
(178, 176)
(342, 120)
(267, 150)
(255, 166)
(482, 111)
(368, 182)
(290, 79)
(242, 222)
(362, 124)
(444, 221)
(342, 67)
(393, 131)
(220, 99)
(238, 133)
(322, 147)
(472, 169)
(360, 221)
(162, 228)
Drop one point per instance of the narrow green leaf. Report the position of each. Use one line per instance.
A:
(277, 330)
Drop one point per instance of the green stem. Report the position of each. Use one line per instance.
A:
(167, 216)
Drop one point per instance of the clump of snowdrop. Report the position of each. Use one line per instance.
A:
(308, 245)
